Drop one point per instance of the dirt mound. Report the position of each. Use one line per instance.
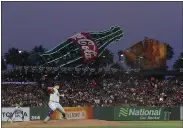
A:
(62, 123)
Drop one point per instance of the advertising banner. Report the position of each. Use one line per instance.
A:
(74, 113)
(89, 47)
(181, 113)
(138, 113)
(6, 112)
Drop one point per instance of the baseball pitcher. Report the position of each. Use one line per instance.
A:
(18, 111)
(54, 102)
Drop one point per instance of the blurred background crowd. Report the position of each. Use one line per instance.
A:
(105, 90)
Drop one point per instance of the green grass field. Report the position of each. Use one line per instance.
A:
(140, 124)
(146, 124)
(153, 124)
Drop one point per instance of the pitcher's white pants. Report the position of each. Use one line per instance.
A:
(56, 106)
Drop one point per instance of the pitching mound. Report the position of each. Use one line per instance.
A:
(63, 123)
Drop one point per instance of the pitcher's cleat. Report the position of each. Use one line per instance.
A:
(46, 119)
(65, 118)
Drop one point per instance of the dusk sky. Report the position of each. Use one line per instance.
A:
(26, 24)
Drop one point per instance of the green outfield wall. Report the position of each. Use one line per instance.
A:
(104, 113)
(135, 113)
(175, 113)
(101, 113)
(138, 113)
(38, 113)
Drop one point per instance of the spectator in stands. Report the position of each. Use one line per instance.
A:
(102, 91)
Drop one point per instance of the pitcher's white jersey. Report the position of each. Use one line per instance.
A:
(54, 103)
(55, 95)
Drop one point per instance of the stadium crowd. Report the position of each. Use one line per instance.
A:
(25, 95)
(104, 91)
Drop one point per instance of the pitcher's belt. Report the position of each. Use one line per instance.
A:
(54, 101)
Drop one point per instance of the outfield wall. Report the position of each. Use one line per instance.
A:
(175, 113)
(104, 113)
(138, 113)
(181, 113)
(135, 113)
(6, 112)
(101, 113)
(71, 113)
